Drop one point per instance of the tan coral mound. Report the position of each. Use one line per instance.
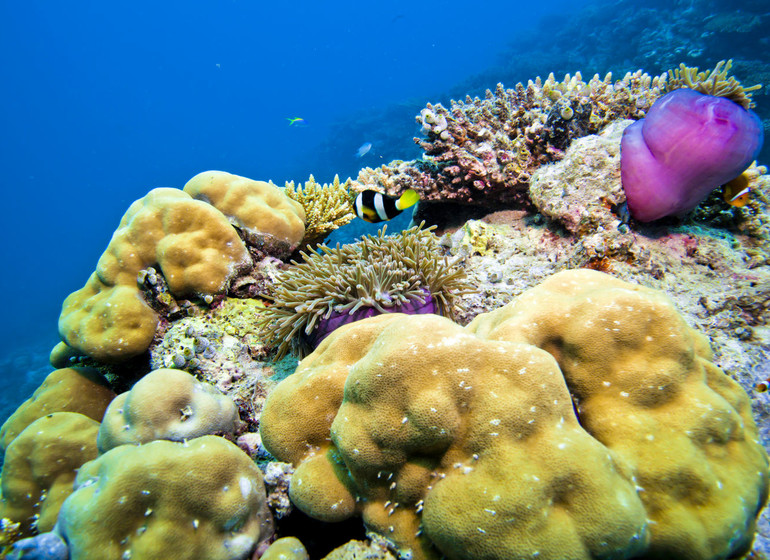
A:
(40, 467)
(267, 217)
(202, 500)
(80, 389)
(582, 420)
(193, 245)
(166, 404)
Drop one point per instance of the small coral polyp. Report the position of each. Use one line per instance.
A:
(380, 274)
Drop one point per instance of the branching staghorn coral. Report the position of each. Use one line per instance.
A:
(483, 151)
(379, 274)
(715, 82)
(327, 207)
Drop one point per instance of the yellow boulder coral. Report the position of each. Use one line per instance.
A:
(80, 389)
(193, 245)
(267, 217)
(286, 548)
(202, 500)
(582, 420)
(40, 467)
(166, 404)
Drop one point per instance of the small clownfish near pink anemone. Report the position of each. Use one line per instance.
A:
(375, 207)
(736, 191)
(762, 386)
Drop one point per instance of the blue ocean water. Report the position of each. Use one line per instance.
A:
(102, 102)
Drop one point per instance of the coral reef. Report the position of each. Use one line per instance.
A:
(166, 404)
(192, 243)
(662, 434)
(81, 390)
(484, 151)
(382, 274)
(209, 504)
(581, 191)
(174, 244)
(327, 207)
(40, 467)
(222, 347)
(268, 219)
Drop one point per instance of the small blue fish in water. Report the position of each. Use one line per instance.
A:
(363, 149)
(374, 207)
(296, 121)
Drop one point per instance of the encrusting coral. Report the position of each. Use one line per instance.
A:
(584, 419)
(379, 274)
(327, 207)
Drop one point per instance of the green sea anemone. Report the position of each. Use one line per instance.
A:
(404, 273)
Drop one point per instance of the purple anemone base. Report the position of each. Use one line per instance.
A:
(687, 145)
(336, 320)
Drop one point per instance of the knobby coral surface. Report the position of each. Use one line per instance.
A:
(585, 419)
(166, 404)
(202, 500)
(40, 467)
(192, 243)
(81, 390)
(268, 219)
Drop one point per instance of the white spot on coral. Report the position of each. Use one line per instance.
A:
(246, 487)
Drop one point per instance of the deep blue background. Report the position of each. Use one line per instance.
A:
(102, 101)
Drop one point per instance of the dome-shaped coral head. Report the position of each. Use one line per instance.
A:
(402, 273)
(687, 145)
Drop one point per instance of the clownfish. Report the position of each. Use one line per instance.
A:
(736, 191)
(374, 207)
(762, 386)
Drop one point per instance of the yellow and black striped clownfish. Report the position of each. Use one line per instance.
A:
(374, 207)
